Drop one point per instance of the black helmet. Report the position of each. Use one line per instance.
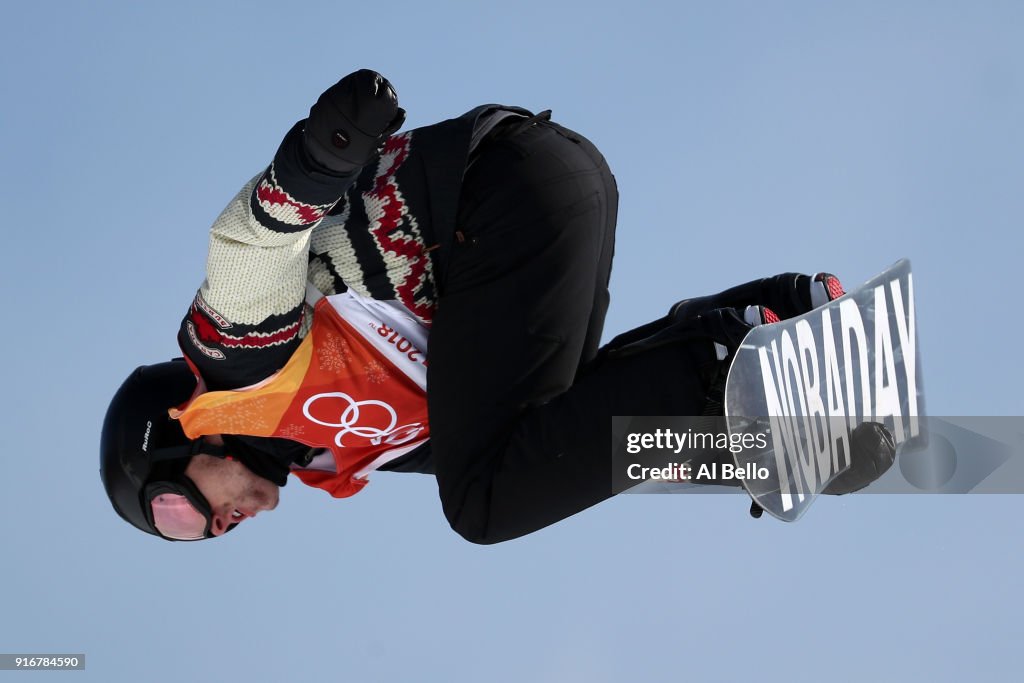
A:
(141, 443)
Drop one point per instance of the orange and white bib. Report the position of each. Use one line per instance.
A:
(356, 385)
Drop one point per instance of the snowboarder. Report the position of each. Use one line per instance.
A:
(490, 235)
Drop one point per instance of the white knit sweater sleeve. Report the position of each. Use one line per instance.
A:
(253, 272)
(248, 314)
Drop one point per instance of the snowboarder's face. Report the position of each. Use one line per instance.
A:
(232, 490)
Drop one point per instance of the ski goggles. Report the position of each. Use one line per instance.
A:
(178, 511)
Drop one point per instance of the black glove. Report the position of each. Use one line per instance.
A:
(352, 120)
(872, 453)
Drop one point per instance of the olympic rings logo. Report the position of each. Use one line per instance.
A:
(349, 419)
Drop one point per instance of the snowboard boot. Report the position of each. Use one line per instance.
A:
(726, 328)
(787, 295)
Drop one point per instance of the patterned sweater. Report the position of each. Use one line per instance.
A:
(384, 233)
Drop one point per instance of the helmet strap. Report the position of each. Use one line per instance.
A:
(194, 447)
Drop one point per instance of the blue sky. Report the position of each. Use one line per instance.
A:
(747, 138)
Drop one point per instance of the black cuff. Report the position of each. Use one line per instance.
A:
(295, 192)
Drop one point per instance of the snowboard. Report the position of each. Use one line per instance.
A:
(798, 390)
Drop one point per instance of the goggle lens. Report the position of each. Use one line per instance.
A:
(175, 517)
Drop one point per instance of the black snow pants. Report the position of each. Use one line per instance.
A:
(520, 411)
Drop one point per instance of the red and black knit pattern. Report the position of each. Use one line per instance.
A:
(277, 210)
(374, 241)
(310, 194)
(231, 355)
